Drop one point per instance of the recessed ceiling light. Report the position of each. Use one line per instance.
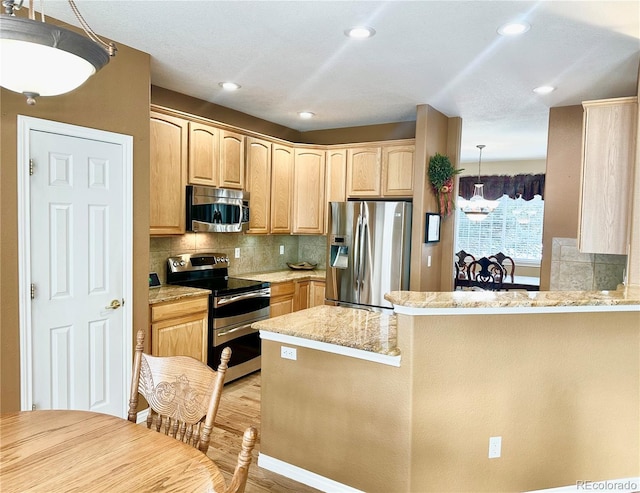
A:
(514, 28)
(544, 89)
(229, 86)
(306, 115)
(360, 32)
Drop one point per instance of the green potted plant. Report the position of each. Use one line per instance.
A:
(441, 173)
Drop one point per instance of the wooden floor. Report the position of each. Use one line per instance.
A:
(240, 408)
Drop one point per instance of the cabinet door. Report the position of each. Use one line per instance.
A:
(301, 297)
(167, 174)
(231, 160)
(258, 184)
(363, 171)
(203, 154)
(282, 295)
(397, 171)
(281, 188)
(607, 175)
(336, 180)
(316, 293)
(186, 336)
(308, 191)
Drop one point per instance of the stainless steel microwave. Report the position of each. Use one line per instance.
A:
(216, 209)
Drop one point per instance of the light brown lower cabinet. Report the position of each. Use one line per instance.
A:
(179, 328)
(291, 296)
(316, 293)
(301, 297)
(281, 301)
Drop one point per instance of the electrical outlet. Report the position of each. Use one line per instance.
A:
(237, 253)
(495, 446)
(288, 352)
(281, 249)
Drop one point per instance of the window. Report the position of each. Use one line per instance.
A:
(514, 228)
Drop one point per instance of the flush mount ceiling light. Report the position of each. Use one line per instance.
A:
(544, 89)
(360, 32)
(229, 86)
(477, 208)
(40, 59)
(305, 115)
(514, 28)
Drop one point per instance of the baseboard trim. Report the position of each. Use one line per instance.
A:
(141, 417)
(626, 485)
(303, 476)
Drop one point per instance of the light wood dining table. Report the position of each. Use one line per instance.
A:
(80, 451)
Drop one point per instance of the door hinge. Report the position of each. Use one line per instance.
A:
(30, 167)
(33, 291)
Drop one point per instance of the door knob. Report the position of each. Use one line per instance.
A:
(115, 304)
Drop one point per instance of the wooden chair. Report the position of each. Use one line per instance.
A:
(506, 262)
(183, 396)
(464, 259)
(485, 274)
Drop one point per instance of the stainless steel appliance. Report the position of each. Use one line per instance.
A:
(216, 209)
(368, 251)
(234, 305)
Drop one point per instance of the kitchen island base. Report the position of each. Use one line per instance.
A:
(562, 390)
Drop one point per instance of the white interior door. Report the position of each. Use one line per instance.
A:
(80, 324)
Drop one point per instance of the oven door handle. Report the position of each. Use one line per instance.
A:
(225, 300)
(225, 333)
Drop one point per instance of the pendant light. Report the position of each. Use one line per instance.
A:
(477, 208)
(40, 59)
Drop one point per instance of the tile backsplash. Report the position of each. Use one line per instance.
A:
(258, 253)
(573, 270)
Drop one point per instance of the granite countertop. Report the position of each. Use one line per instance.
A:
(284, 275)
(341, 326)
(170, 292)
(515, 299)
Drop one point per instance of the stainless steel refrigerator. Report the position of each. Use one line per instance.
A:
(368, 251)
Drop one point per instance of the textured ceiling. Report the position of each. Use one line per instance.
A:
(293, 56)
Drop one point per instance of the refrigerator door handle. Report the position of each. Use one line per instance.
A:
(364, 249)
(356, 255)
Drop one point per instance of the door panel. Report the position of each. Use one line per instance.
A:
(77, 252)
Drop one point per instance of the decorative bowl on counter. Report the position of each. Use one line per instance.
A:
(301, 266)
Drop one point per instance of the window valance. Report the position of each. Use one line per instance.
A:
(496, 186)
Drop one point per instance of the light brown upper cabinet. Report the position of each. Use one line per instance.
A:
(336, 175)
(608, 160)
(203, 154)
(336, 181)
(308, 191)
(397, 170)
(168, 174)
(364, 171)
(258, 184)
(281, 188)
(231, 160)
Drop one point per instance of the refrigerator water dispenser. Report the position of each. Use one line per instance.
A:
(339, 253)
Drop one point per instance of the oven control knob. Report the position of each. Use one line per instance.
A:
(175, 263)
(182, 263)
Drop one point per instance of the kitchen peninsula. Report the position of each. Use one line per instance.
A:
(556, 375)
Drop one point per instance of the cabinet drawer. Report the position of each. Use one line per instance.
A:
(282, 289)
(180, 308)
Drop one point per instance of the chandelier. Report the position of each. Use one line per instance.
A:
(477, 207)
(40, 59)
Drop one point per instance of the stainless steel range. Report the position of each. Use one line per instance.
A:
(234, 304)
